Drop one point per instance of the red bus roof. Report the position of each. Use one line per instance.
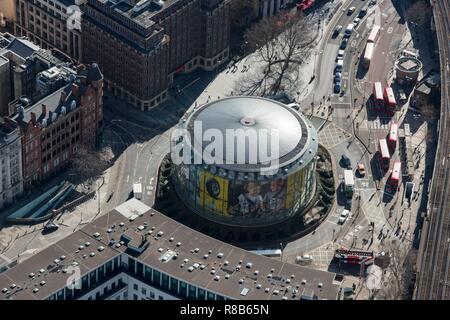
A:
(378, 91)
(389, 94)
(373, 34)
(393, 131)
(396, 171)
(384, 149)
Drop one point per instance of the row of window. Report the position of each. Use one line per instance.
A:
(169, 284)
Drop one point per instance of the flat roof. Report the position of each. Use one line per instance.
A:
(245, 269)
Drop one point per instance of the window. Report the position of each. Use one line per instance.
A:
(165, 281)
(152, 295)
(131, 265)
(148, 274)
(135, 297)
(192, 292)
(174, 285)
(211, 296)
(156, 278)
(139, 268)
(183, 289)
(201, 294)
(144, 292)
(135, 287)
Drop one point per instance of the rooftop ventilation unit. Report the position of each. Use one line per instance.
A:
(101, 248)
(217, 278)
(41, 270)
(244, 292)
(220, 255)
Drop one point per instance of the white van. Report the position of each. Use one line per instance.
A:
(349, 30)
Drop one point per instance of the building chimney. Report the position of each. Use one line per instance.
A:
(44, 110)
(33, 117)
(75, 89)
(63, 97)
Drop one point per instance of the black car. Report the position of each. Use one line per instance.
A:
(346, 162)
(343, 44)
(50, 227)
(363, 12)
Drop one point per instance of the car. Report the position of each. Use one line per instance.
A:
(50, 227)
(346, 162)
(343, 44)
(294, 106)
(337, 30)
(356, 21)
(361, 169)
(304, 259)
(340, 55)
(363, 12)
(351, 10)
(343, 216)
(373, 2)
(337, 77)
(337, 87)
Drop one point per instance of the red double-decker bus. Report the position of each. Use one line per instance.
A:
(305, 4)
(373, 34)
(353, 256)
(378, 99)
(396, 174)
(389, 100)
(383, 150)
(393, 135)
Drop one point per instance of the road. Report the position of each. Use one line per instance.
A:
(433, 280)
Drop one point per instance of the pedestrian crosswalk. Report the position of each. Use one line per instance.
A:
(379, 124)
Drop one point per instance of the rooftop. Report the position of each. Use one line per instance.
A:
(297, 139)
(172, 248)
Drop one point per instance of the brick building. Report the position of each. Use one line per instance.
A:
(53, 127)
(45, 22)
(141, 46)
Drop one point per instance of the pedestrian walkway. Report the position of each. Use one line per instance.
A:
(331, 135)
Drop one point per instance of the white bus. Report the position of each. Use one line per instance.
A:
(368, 54)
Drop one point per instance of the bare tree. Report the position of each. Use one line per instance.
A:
(87, 164)
(281, 44)
(398, 278)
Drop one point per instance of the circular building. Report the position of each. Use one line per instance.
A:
(407, 69)
(246, 161)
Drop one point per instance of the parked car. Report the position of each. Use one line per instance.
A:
(337, 87)
(343, 44)
(340, 55)
(337, 77)
(356, 21)
(50, 227)
(351, 10)
(337, 30)
(343, 216)
(361, 169)
(363, 12)
(346, 162)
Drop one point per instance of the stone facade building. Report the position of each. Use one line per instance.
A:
(141, 46)
(45, 22)
(11, 184)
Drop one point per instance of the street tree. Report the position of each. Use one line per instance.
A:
(280, 44)
(87, 164)
(399, 276)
